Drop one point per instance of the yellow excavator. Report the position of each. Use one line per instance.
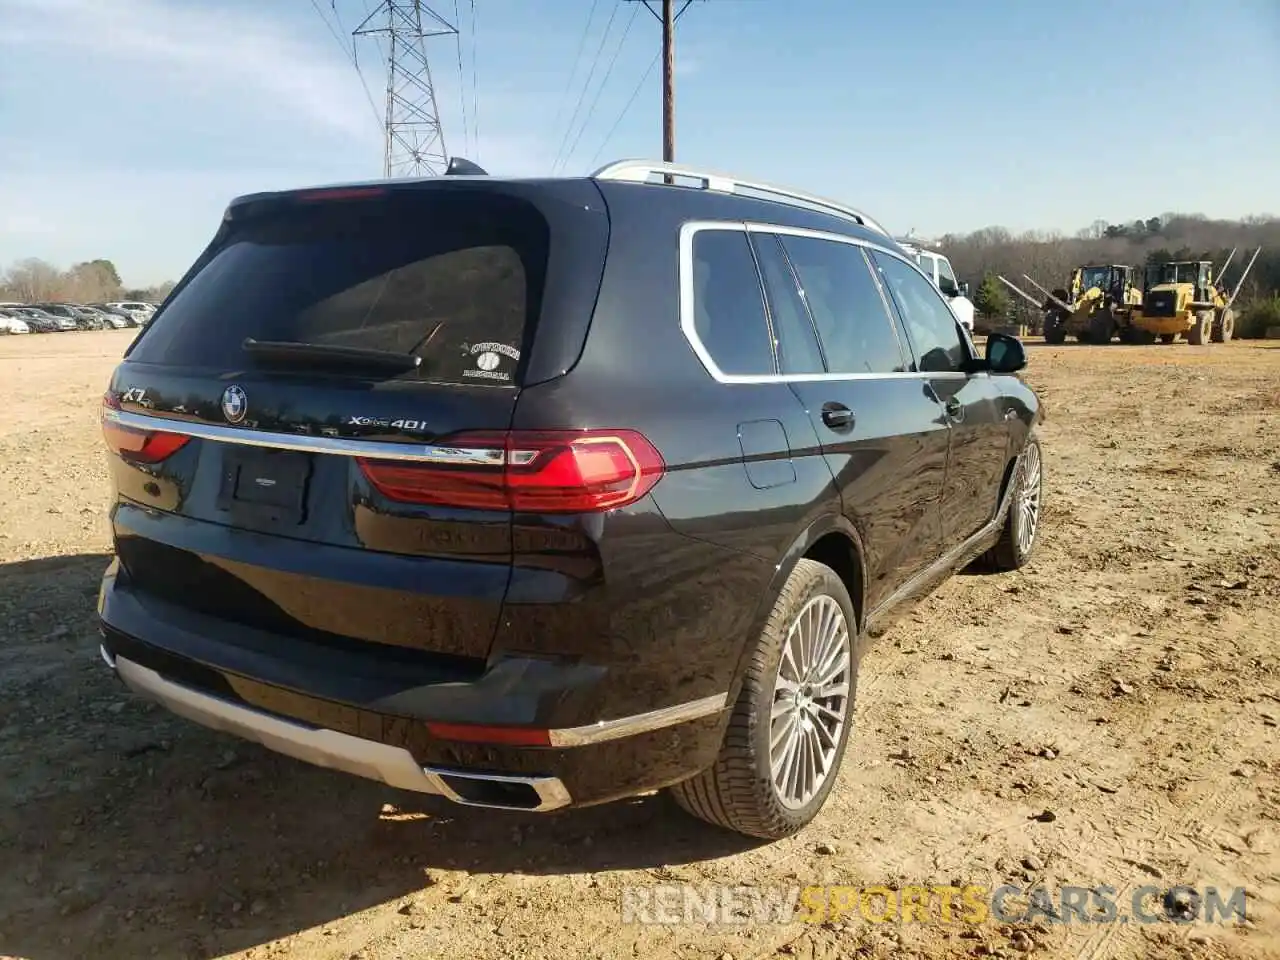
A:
(1183, 299)
(1095, 305)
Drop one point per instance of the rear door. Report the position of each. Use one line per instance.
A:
(334, 497)
(979, 432)
(882, 432)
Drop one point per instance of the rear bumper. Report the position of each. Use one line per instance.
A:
(371, 720)
(393, 766)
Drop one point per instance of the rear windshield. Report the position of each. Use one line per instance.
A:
(455, 277)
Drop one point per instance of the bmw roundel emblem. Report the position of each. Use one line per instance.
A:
(234, 404)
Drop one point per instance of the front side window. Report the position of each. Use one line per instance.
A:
(845, 303)
(728, 304)
(930, 324)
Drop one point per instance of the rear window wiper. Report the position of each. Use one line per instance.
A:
(330, 355)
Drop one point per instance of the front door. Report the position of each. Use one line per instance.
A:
(979, 433)
(882, 431)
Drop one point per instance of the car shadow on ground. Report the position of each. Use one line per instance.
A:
(129, 832)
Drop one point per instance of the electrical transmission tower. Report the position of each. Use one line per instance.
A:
(414, 137)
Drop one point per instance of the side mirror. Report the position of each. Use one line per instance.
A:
(1005, 354)
(964, 288)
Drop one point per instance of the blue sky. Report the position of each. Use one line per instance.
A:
(126, 125)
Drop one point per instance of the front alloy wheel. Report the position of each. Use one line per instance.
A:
(1022, 523)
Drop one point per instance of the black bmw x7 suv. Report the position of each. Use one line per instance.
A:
(545, 492)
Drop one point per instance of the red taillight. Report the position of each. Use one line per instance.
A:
(139, 446)
(555, 471)
(477, 733)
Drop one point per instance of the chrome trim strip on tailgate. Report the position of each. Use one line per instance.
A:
(338, 446)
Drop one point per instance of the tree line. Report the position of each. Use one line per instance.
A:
(1049, 257)
(94, 281)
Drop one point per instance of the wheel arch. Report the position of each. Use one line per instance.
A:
(830, 539)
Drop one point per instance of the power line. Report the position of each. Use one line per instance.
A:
(462, 80)
(475, 90)
(582, 96)
(350, 54)
(573, 70)
(625, 108)
(603, 83)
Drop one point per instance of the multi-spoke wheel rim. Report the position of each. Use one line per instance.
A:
(810, 701)
(1029, 499)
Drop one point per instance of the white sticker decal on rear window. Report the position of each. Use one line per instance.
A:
(488, 358)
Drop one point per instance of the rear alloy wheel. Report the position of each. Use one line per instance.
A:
(1202, 330)
(1022, 523)
(1224, 325)
(791, 723)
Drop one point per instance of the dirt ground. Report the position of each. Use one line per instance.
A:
(1127, 682)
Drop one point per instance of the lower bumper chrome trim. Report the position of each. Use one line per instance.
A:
(391, 765)
(638, 723)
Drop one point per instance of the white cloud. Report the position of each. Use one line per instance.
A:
(257, 59)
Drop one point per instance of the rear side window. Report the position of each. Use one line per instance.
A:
(728, 304)
(847, 308)
(455, 277)
(797, 343)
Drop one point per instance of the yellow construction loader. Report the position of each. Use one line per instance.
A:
(1094, 306)
(1183, 299)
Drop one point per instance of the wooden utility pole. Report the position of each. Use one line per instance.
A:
(668, 18)
(668, 81)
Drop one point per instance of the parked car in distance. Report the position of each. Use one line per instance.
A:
(138, 309)
(549, 492)
(12, 322)
(135, 314)
(62, 315)
(39, 321)
(116, 319)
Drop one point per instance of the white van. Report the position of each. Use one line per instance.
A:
(938, 269)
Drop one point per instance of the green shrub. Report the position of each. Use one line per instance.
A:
(1256, 317)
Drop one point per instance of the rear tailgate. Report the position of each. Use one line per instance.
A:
(334, 502)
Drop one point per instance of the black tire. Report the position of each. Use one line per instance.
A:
(1012, 550)
(1055, 330)
(1201, 332)
(1101, 326)
(737, 792)
(1224, 326)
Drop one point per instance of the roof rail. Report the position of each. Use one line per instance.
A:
(639, 171)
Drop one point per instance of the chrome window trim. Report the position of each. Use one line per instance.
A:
(336, 446)
(691, 228)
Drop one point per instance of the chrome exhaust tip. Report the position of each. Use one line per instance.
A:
(497, 791)
(106, 656)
